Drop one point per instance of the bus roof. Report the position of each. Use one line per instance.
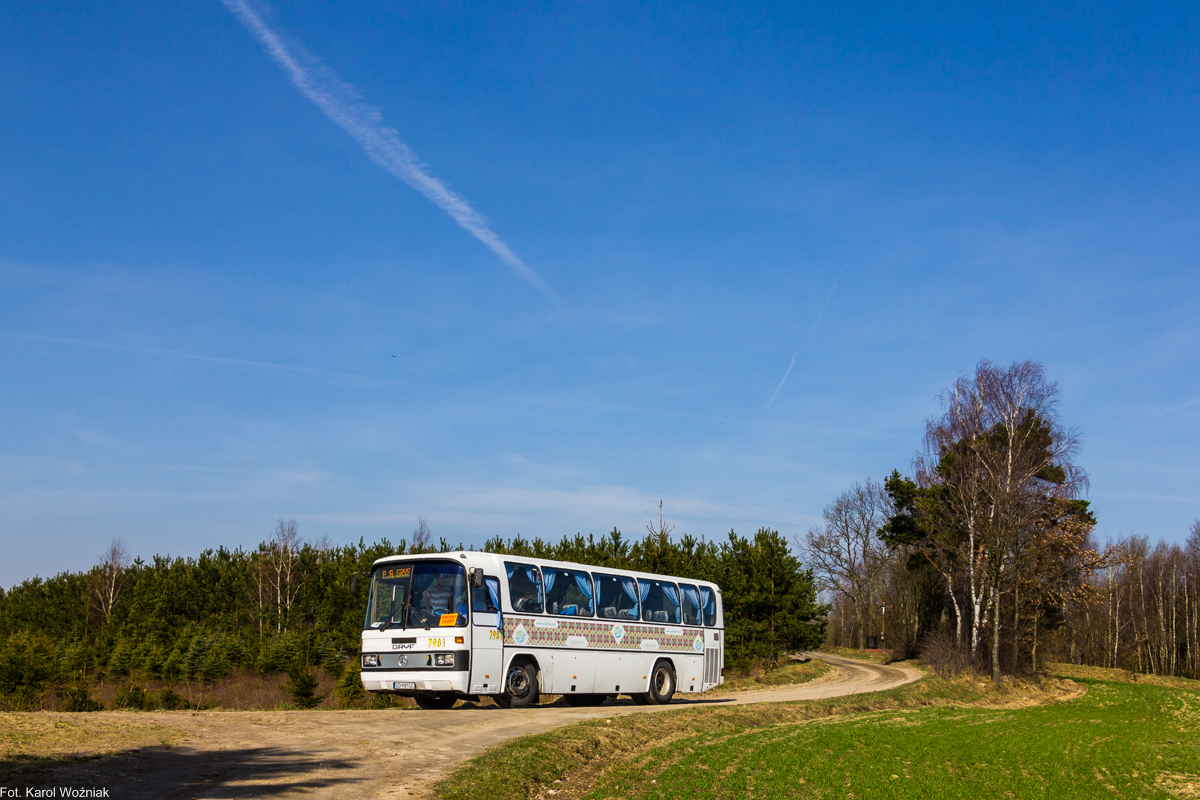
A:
(497, 558)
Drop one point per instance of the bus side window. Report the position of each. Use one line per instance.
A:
(524, 587)
(708, 602)
(568, 592)
(616, 598)
(660, 601)
(691, 604)
(486, 599)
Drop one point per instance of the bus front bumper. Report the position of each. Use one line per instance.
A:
(409, 681)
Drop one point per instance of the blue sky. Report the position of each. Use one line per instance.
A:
(217, 310)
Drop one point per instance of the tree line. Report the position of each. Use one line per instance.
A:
(984, 555)
(290, 605)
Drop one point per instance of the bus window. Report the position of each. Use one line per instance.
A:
(568, 592)
(439, 595)
(616, 598)
(524, 588)
(691, 604)
(485, 603)
(660, 601)
(389, 593)
(708, 601)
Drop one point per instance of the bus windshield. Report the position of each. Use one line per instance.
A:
(424, 594)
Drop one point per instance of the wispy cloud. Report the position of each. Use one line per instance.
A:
(344, 106)
(155, 351)
(807, 339)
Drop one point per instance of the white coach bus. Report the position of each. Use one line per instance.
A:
(459, 626)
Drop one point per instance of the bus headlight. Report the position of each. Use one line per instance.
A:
(443, 659)
(370, 660)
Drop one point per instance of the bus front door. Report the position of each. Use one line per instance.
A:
(487, 638)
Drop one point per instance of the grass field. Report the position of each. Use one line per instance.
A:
(579, 758)
(1118, 740)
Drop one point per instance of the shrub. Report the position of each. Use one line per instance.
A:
(79, 698)
(302, 686)
(172, 700)
(349, 690)
(28, 664)
(133, 697)
(944, 655)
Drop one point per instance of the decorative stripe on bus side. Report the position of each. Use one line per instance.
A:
(526, 632)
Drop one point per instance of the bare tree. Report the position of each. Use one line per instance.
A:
(663, 531)
(421, 536)
(845, 554)
(108, 577)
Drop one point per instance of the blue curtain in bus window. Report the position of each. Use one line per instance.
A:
(692, 598)
(532, 574)
(629, 585)
(708, 600)
(585, 584)
(672, 595)
(493, 587)
(511, 569)
(645, 587)
(550, 575)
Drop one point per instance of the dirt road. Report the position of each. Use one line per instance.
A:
(374, 754)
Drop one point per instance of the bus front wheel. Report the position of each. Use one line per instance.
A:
(662, 684)
(520, 686)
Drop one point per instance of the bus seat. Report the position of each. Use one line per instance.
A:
(661, 616)
(610, 612)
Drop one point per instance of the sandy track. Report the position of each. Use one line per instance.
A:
(374, 754)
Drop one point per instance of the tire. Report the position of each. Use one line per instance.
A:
(520, 686)
(639, 699)
(584, 700)
(439, 702)
(662, 684)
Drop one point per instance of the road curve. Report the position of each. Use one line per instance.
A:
(380, 754)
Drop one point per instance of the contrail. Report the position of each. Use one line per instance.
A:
(344, 106)
(811, 331)
(785, 377)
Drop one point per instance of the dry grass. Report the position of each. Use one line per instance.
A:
(758, 677)
(31, 742)
(875, 656)
(1121, 676)
(244, 690)
(52, 734)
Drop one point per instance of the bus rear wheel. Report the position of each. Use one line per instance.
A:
(662, 684)
(520, 686)
(439, 702)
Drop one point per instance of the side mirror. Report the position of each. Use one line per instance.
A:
(476, 578)
(354, 583)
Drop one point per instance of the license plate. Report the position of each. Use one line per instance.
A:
(404, 685)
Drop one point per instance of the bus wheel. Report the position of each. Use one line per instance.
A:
(662, 684)
(520, 685)
(584, 700)
(439, 702)
(639, 699)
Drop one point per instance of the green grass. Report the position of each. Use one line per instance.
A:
(569, 760)
(1118, 740)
